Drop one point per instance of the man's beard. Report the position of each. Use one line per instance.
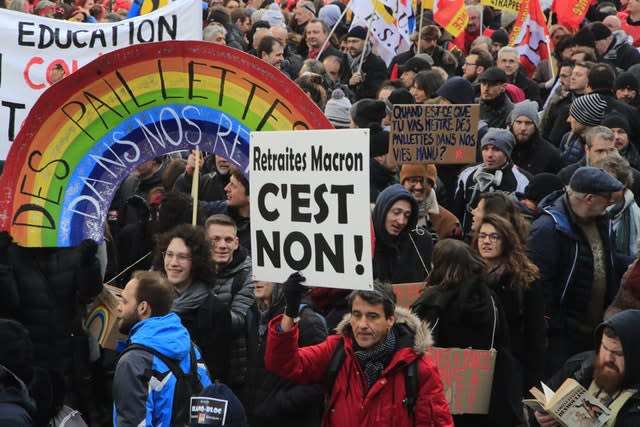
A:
(126, 324)
(609, 380)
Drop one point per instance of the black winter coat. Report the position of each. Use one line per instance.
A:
(524, 313)
(269, 399)
(374, 72)
(48, 288)
(496, 112)
(563, 255)
(463, 317)
(537, 155)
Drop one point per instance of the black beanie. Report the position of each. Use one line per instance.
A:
(626, 80)
(367, 111)
(378, 140)
(542, 185)
(500, 36)
(584, 37)
(615, 120)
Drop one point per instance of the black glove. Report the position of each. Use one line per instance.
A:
(293, 293)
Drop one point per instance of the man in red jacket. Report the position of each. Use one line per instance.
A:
(379, 340)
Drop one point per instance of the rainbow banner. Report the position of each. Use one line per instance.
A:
(87, 133)
(33, 46)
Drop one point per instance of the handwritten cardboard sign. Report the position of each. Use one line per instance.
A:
(407, 293)
(467, 377)
(442, 134)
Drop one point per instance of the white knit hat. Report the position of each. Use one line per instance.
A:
(337, 109)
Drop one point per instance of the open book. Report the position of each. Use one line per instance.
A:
(572, 405)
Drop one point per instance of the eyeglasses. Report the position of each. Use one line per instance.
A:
(414, 180)
(469, 63)
(494, 237)
(181, 258)
(607, 196)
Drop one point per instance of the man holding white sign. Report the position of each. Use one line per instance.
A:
(375, 370)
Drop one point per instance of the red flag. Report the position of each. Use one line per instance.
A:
(449, 14)
(571, 13)
(530, 35)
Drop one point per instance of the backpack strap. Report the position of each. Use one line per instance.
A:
(411, 383)
(337, 359)
(171, 363)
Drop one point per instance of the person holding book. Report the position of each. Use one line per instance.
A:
(611, 373)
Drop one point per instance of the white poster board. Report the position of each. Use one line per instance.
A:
(310, 207)
(32, 46)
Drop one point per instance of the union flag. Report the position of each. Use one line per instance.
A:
(571, 13)
(530, 35)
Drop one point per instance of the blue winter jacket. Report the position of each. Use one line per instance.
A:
(143, 385)
(562, 253)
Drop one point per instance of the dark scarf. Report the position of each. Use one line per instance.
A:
(374, 361)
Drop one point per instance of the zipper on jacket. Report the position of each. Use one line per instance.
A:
(573, 266)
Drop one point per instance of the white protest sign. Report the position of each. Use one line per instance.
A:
(310, 207)
(32, 46)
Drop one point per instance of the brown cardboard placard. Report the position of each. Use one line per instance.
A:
(407, 293)
(441, 134)
(102, 321)
(467, 377)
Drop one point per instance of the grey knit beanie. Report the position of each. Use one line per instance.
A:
(526, 108)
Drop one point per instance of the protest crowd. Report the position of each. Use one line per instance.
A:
(532, 250)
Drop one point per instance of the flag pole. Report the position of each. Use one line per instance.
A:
(333, 30)
(553, 74)
(481, 16)
(366, 43)
(195, 184)
(420, 28)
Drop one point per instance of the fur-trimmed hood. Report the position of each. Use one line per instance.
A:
(422, 338)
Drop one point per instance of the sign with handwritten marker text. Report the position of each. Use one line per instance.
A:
(467, 377)
(407, 293)
(442, 134)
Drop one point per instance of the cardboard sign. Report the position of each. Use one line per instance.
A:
(88, 132)
(102, 321)
(407, 293)
(467, 377)
(310, 207)
(32, 46)
(442, 134)
(208, 411)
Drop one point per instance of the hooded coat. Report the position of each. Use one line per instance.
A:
(350, 403)
(403, 258)
(143, 386)
(16, 405)
(581, 366)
